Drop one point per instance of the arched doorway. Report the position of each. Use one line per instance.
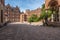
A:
(53, 5)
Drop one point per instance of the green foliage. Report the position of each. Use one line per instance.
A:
(44, 14)
(30, 20)
(33, 18)
(43, 6)
(49, 12)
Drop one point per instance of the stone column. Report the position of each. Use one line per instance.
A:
(59, 14)
(6, 19)
(52, 18)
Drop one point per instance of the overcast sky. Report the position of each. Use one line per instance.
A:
(25, 4)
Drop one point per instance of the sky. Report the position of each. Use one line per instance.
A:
(25, 4)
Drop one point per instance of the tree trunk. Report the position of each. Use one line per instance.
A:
(46, 20)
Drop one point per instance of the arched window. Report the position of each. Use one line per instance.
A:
(53, 5)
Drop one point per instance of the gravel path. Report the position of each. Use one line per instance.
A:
(29, 32)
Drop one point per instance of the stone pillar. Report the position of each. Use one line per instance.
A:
(52, 18)
(59, 14)
(6, 19)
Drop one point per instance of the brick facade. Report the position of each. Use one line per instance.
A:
(13, 14)
(28, 13)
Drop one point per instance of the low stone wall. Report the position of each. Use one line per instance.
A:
(36, 23)
(32, 23)
(55, 24)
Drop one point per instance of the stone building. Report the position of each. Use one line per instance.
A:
(2, 5)
(36, 12)
(9, 13)
(13, 14)
(54, 5)
(28, 13)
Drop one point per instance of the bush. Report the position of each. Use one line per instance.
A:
(33, 18)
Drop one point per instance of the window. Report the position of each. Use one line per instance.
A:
(1, 16)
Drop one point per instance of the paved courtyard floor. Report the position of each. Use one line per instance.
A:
(29, 32)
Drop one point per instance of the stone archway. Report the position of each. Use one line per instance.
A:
(53, 5)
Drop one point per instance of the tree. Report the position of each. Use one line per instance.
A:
(43, 7)
(33, 18)
(45, 15)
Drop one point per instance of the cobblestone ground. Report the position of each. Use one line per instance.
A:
(28, 32)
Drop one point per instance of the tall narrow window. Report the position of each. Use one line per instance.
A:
(1, 16)
(25, 17)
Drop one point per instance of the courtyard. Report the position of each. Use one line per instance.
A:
(29, 32)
